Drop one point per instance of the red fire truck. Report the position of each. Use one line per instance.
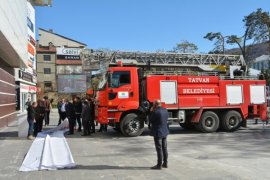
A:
(193, 98)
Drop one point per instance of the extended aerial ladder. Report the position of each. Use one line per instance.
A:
(219, 63)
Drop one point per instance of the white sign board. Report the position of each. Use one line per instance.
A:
(68, 51)
(257, 94)
(168, 92)
(123, 95)
(234, 94)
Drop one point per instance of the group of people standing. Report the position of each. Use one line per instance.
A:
(76, 110)
(37, 112)
(79, 112)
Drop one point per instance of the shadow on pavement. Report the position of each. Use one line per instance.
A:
(112, 134)
(8, 135)
(108, 167)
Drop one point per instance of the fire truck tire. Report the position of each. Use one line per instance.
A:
(231, 121)
(131, 125)
(209, 122)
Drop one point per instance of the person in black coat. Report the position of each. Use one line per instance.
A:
(78, 111)
(31, 119)
(159, 129)
(47, 104)
(92, 114)
(39, 116)
(70, 112)
(86, 118)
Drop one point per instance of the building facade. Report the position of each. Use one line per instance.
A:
(17, 57)
(13, 54)
(262, 63)
(59, 67)
(26, 77)
(46, 58)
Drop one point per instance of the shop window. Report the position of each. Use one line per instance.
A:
(47, 70)
(47, 57)
(60, 69)
(69, 69)
(77, 69)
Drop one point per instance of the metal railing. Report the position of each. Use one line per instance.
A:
(196, 73)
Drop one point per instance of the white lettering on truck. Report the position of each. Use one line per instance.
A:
(199, 91)
(198, 80)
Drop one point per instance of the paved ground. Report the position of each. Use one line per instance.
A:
(240, 155)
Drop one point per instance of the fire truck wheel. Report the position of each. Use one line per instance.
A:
(131, 125)
(209, 122)
(231, 121)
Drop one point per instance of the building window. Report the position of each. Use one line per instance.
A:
(77, 69)
(47, 70)
(60, 69)
(47, 86)
(47, 57)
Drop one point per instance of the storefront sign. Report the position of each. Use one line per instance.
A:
(31, 49)
(68, 53)
(31, 38)
(28, 88)
(25, 76)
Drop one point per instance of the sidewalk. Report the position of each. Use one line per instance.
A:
(240, 155)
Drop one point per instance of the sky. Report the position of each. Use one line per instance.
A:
(146, 25)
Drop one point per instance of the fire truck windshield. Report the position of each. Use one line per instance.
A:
(119, 78)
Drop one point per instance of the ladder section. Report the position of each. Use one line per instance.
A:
(176, 59)
(206, 62)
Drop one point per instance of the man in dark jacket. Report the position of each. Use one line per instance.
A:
(47, 105)
(92, 114)
(78, 112)
(39, 116)
(31, 119)
(86, 118)
(70, 112)
(159, 129)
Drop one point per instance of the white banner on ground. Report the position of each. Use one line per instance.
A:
(49, 151)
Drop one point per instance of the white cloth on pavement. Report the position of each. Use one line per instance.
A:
(49, 151)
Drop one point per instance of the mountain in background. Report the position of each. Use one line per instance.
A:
(254, 51)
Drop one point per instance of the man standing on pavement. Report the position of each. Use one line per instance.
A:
(92, 114)
(78, 112)
(70, 112)
(86, 118)
(159, 129)
(31, 120)
(47, 104)
(62, 111)
(39, 116)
